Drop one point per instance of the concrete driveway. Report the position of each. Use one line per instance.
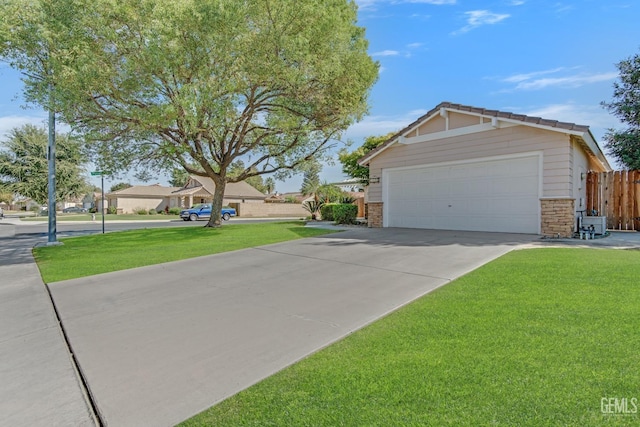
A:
(160, 344)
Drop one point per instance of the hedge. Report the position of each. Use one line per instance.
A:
(345, 213)
(326, 211)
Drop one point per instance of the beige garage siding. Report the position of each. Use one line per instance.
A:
(556, 148)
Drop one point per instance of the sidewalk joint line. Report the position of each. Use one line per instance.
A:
(95, 411)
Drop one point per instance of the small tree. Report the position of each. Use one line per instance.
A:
(624, 145)
(349, 160)
(120, 186)
(24, 165)
(311, 180)
(329, 193)
(270, 185)
(5, 196)
(313, 207)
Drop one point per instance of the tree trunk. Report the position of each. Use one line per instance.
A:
(216, 204)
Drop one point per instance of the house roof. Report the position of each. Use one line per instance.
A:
(154, 190)
(233, 190)
(581, 131)
(197, 185)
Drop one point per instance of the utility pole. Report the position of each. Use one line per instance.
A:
(51, 154)
(101, 173)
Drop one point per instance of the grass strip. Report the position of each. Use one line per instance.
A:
(103, 253)
(536, 338)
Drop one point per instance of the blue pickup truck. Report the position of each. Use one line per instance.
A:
(203, 211)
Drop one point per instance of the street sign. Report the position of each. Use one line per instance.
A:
(96, 173)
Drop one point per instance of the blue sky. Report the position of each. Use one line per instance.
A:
(553, 59)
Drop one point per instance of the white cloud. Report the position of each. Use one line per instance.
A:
(436, 2)
(478, 18)
(594, 116)
(517, 2)
(414, 45)
(572, 81)
(371, 4)
(517, 78)
(7, 123)
(386, 53)
(562, 8)
(380, 125)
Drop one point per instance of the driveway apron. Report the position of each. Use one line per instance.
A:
(159, 344)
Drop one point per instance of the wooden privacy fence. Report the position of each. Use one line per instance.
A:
(616, 195)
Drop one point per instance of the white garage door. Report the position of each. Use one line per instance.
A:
(491, 195)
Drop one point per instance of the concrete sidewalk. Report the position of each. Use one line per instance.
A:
(39, 382)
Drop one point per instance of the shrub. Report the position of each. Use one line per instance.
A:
(347, 199)
(140, 211)
(111, 210)
(327, 211)
(313, 208)
(345, 214)
(174, 211)
(152, 212)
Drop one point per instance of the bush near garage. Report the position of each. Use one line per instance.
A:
(345, 214)
(174, 211)
(326, 212)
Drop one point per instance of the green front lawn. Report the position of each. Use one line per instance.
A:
(536, 338)
(103, 253)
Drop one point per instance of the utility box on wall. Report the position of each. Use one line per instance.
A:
(599, 223)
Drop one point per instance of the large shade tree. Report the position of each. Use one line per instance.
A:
(24, 168)
(200, 84)
(624, 144)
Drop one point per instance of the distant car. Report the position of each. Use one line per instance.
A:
(203, 211)
(74, 209)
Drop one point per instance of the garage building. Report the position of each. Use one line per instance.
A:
(465, 168)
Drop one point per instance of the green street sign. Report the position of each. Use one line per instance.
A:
(96, 173)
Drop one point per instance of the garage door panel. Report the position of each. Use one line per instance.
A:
(496, 195)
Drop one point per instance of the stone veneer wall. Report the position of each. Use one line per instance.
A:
(374, 214)
(558, 217)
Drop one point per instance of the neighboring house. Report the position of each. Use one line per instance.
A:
(26, 204)
(465, 168)
(145, 197)
(197, 190)
(200, 189)
(274, 198)
(297, 196)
